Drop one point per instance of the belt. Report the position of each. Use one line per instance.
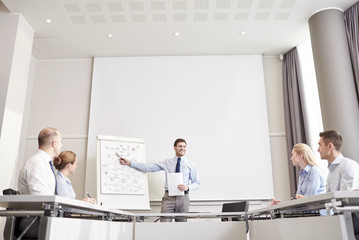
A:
(185, 192)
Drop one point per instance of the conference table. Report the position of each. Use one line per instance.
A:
(326, 216)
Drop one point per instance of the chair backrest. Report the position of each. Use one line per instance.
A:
(235, 207)
(10, 191)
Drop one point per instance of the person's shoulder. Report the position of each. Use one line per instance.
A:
(170, 159)
(351, 162)
(317, 169)
(35, 156)
(190, 162)
(32, 160)
(349, 165)
(60, 177)
(36, 161)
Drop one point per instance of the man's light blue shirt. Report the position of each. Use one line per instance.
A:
(311, 181)
(188, 168)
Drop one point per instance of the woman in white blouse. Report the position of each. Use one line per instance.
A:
(66, 163)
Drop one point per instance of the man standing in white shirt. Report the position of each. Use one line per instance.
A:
(37, 177)
(343, 172)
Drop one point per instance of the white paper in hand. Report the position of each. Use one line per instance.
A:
(173, 180)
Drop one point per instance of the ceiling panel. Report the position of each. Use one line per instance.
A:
(80, 28)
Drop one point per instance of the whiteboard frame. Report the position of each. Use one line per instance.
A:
(121, 201)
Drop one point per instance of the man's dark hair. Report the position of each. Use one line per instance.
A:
(178, 140)
(46, 136)
(334, 137)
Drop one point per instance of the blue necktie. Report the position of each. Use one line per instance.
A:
(53, 171)
(178, 166)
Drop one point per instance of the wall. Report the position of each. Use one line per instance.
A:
(61, 96)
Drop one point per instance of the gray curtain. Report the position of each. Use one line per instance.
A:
(293, 110)
(351, 18)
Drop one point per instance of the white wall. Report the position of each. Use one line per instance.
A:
(61, 99)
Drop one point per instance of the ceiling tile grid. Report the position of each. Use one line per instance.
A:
(114, 12)
(87, 28)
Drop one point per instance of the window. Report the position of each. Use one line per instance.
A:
(312, 111)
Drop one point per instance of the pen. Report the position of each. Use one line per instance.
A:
(88, 195)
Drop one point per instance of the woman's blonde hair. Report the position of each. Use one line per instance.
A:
(308, 155)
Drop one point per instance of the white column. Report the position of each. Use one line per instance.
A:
(15, 58)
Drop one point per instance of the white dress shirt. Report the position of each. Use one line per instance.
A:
(188, 168)
(343, 175)
(36, 177)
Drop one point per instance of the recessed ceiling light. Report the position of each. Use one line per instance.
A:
(109, 35)
(176, 34)
(48, 20)
(242, 33)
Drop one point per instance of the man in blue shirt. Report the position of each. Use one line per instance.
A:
(179, 163)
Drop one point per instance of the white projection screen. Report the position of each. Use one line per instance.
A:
(216, 103)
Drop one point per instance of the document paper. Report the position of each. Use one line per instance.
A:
(173, 180)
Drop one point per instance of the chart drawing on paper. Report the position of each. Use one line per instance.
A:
(117, 178)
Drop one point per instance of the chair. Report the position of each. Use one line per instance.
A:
(10, 191)
(355, 219)
(12, 223)
(20, 227)
(237, 207)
